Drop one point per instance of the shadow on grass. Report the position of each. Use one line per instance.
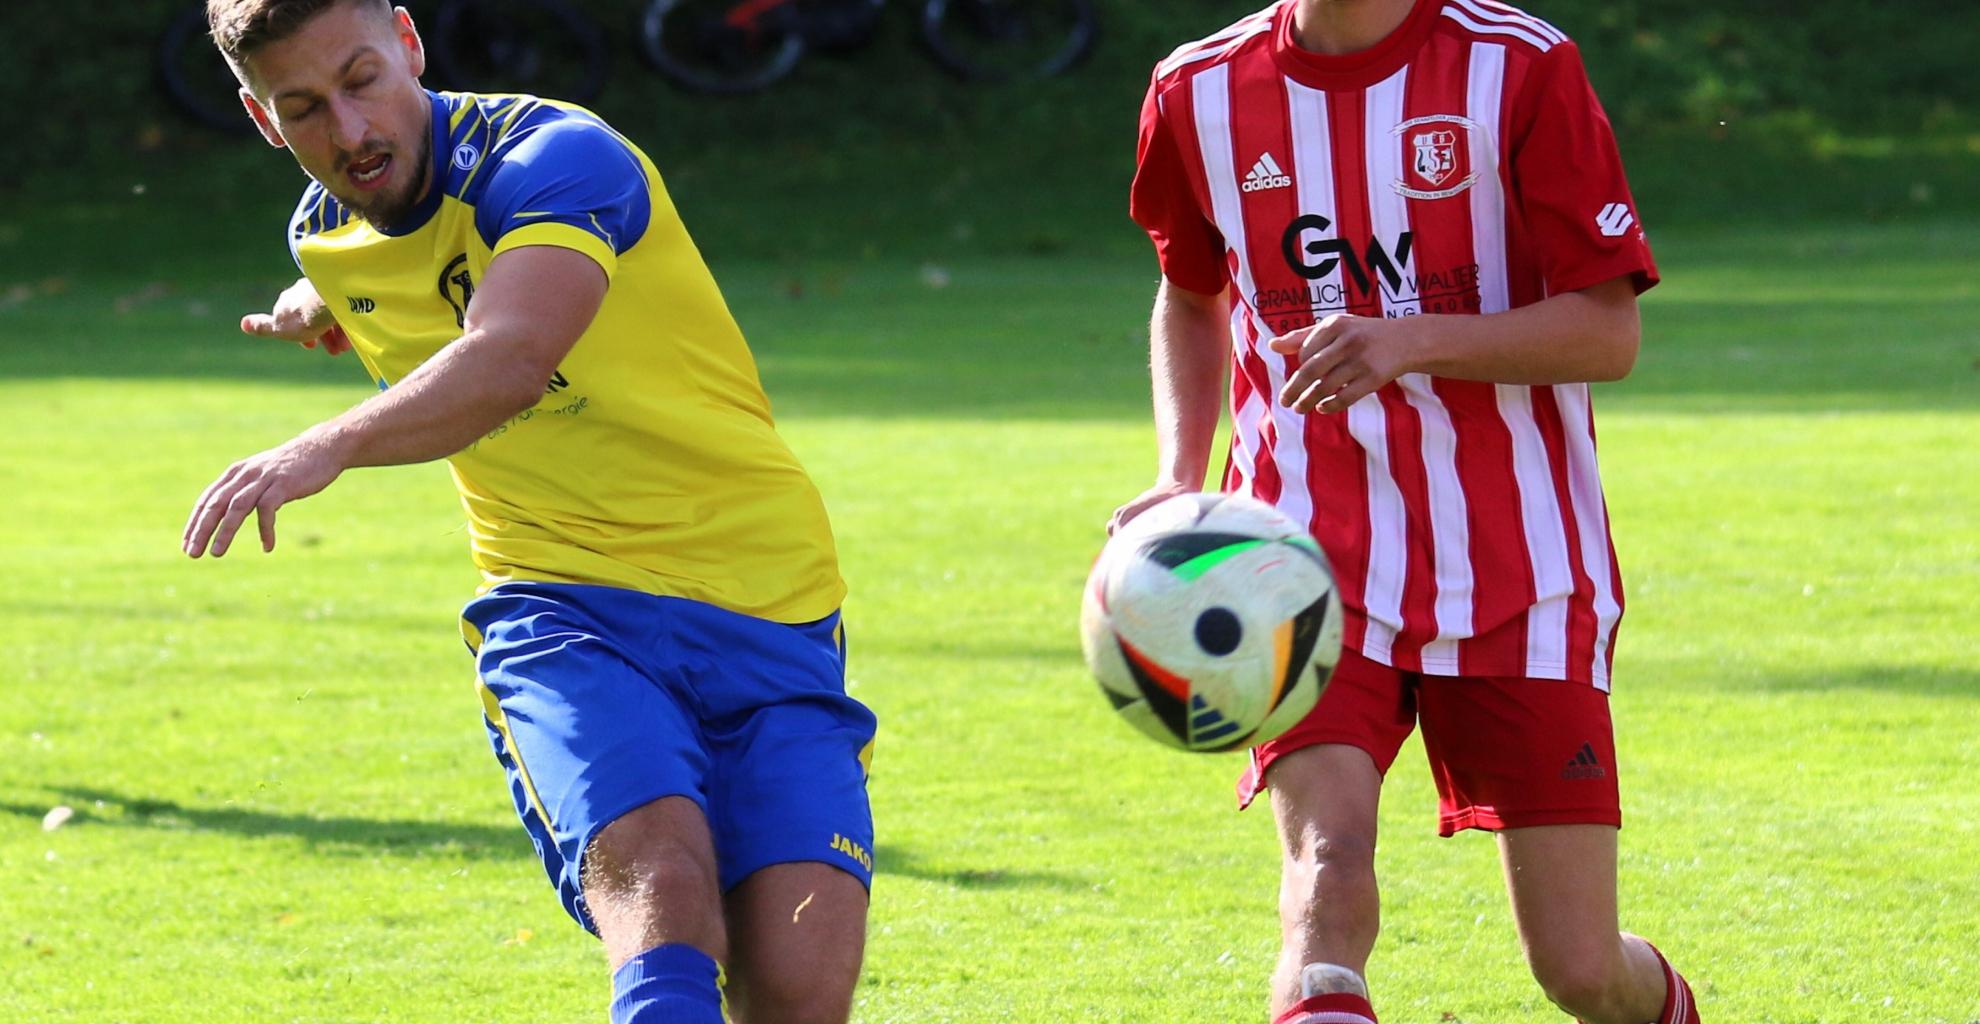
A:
(894, 860)
(348, 836)
(328, 836)
(1960, 683)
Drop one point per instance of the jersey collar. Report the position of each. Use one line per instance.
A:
(436, 182)
(1352, 70)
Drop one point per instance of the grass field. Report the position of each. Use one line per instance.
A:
(286, 809)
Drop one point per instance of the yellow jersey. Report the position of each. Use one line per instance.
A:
(652, 462)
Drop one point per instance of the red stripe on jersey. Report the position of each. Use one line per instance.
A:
(1347, 119)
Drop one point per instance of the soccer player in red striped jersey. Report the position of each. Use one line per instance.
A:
(1403, 228)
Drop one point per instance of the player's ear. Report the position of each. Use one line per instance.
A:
(262, 121)
(409, 38)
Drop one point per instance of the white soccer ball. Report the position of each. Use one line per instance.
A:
(1211, 622)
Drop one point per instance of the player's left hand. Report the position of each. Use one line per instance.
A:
(260, 484)
(1342, 360)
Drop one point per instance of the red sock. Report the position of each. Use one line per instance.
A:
(1331, 1008)
(1679, 1006)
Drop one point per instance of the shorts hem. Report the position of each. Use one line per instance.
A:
(1263, 756)
(1491, 821)
(864, 878)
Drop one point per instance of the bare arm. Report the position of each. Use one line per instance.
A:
(534, 305)
(1189, 344)
(1586, 335)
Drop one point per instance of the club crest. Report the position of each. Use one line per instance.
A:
(1440, 156)
(1436, 155)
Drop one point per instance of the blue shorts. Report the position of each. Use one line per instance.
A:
(601, 700)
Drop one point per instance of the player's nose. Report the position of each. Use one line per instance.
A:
(349, 126)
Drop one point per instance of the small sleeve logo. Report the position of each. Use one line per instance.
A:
(1614, 219)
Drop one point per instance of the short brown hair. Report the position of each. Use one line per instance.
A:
(240, 27)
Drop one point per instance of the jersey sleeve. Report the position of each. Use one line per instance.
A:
(569, 183)
(1189, 248)
(1568, 182)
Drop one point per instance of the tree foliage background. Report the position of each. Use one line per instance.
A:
(1828, 107)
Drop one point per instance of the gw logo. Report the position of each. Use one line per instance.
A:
(361, 305)
(457, 287)
(854, 850)
(1337, 252)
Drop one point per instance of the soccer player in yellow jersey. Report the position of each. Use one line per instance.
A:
(657, 638)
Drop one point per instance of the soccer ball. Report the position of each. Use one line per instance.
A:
(1211, 622)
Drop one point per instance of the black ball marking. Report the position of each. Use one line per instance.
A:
(1218, 631)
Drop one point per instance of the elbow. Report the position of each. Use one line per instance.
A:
(1618, 359)
(521, 389)
(1618, 348)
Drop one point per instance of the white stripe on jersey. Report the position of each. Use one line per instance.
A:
(1497, 29)
(1546, 541)
(1388, 530)
(1313, 150)
(1313, 180)
(1210, 99)
(1493, 10)
(1208, 47)
(1483, 94)
(1388, 210)
(1591, 519)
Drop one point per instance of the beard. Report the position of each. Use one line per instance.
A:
(391, 206)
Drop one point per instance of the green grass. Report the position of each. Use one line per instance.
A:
(288, 812)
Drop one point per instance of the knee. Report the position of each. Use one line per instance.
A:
(645, 890)
(1326, 869)
(646, 869)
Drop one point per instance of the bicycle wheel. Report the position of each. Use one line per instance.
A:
(997, 40)
(197, 78)
(541, 47)
(695, 45)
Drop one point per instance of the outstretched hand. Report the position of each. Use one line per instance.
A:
(260, 484)
(301, 316)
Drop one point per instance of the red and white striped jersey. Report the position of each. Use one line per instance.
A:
(1462, 165)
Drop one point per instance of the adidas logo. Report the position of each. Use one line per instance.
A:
(1266, 174)
(1584, 765)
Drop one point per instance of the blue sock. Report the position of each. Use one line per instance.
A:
(671, 984)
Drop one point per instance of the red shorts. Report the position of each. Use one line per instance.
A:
(1507, 752)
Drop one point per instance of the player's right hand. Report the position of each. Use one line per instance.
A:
(301, 316)
(1148, 499)
(260, 485)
